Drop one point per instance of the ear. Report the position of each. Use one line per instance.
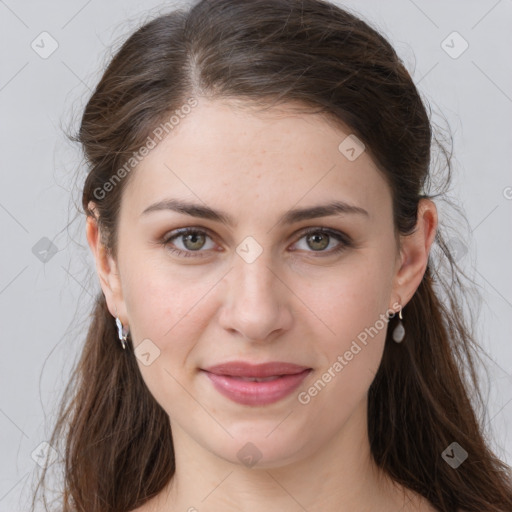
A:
(106, 267)
(414, 252)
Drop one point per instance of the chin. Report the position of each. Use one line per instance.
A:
(262, 448)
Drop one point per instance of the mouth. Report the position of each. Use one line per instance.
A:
(256, 385)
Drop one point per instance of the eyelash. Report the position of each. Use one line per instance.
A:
(346, 242)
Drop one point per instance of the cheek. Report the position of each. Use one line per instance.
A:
(167, 304)
(353, 307)
(171, 310)
(354, 298)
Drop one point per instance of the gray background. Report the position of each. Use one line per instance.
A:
(44, 304)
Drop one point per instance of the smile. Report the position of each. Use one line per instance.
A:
(256, 391)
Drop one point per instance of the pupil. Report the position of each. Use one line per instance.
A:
(316, 237)
(192, 237)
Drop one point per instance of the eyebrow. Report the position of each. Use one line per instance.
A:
(289, 217)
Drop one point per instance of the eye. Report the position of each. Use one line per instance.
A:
(193, 240)
(320, 238)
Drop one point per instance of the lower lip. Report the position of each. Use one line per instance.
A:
(256, 393)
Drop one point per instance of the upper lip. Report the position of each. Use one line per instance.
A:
(244, 369)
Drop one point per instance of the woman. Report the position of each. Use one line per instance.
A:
(272, 333)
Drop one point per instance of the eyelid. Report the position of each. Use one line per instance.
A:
(176, 233)
(345, 241)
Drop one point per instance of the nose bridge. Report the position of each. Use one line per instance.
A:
(254, 273)
(256, 305)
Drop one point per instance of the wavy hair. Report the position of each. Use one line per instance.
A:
(118, 450)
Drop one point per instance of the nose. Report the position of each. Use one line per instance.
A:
(257, 303)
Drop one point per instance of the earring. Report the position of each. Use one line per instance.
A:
(122, 332)
(399, 330)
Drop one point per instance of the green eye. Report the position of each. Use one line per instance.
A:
(193, 240)
(193, 236)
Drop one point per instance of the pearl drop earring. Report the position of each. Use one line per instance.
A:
(399, 330)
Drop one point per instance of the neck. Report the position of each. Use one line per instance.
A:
(340, 476)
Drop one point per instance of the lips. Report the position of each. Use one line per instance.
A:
(260, 384)
(261, 371)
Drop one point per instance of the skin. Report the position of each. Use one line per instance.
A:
(302, 306)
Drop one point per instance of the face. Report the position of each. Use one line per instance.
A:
(262, 288)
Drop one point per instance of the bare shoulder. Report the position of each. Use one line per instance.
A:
(415, 502)
(423, 505)
(142, 508)
(158, 502)
(148, 506)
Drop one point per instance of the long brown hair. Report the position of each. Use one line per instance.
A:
(118, 449)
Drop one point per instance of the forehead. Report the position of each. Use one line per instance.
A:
(226, 153)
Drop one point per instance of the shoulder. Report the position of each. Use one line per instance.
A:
(145, 507)
(415, 502)
(423, 505)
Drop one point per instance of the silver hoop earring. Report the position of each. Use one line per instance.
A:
(122, 332)
(399, 330)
